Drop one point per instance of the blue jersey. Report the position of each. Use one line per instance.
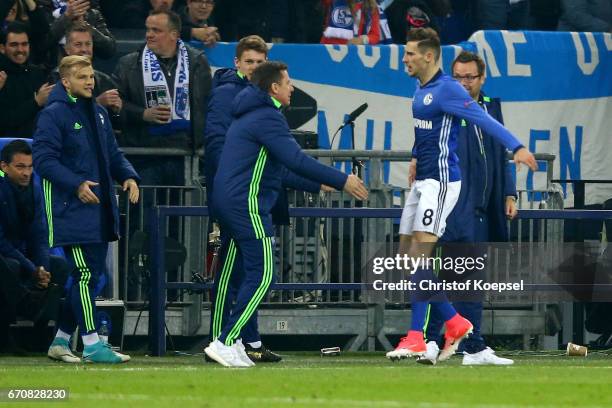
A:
(438, 107)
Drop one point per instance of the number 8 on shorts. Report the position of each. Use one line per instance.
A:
(428, 205)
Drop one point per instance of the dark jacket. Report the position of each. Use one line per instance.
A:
(460, 223)
(128, 76)
(17, 103)
(238, 18)
(586, 15)
(257, 146)
(27, 244)
(64, 157)
(226, 85)
(187, 24)
(37, 26)
(104, 44)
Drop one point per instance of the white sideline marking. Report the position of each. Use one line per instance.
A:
(304, 401)
(396, 366)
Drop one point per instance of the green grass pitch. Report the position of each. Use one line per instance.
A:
(308, 380)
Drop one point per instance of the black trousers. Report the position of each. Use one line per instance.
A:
(15, 283)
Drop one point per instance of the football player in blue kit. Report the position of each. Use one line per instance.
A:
(438, 105)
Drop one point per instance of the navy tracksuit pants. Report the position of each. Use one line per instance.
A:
(225, 288)
(257, 258)
(88, 265)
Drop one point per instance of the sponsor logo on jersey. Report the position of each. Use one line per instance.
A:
(423, 124)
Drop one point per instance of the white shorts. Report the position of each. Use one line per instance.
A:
(428, 204)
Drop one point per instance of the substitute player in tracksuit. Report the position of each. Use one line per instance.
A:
(486, 201)
(251, 51)
(438, 105)
(76, 154)
(258, 145)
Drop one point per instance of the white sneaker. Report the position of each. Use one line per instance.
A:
(431, 355)
(485, 357)
(224, 355)
(60, 351)
(241, 352)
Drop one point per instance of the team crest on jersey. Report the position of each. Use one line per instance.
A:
(101, 118)
(428, 99)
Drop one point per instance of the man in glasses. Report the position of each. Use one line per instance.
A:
(483, 206)
(197, 22)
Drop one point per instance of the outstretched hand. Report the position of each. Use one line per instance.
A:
(355, 187)
(523, 155)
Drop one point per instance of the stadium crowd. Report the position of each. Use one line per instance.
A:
(37, 33)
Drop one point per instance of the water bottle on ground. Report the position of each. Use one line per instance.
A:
(103, 331)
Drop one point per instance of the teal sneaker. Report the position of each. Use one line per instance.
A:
(60, 350)
(102, 353)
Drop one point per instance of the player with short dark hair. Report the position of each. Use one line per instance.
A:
(251, 51)
(438, 105)
(258, 145)
(487, 200)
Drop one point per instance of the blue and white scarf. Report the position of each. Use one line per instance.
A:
(59, 7)
(385, 31)
(157, 91)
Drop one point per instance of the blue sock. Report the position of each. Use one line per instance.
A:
(437, 299)
(445, 309)
(419, 310)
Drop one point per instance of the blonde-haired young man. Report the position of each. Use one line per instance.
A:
(76, 155)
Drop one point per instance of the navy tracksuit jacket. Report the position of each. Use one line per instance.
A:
(26, 244)
(227, 83)
(258, 146)
(74, 142)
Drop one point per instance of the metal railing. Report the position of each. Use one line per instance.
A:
(158, 224)
(309, 250)
(308, 247)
